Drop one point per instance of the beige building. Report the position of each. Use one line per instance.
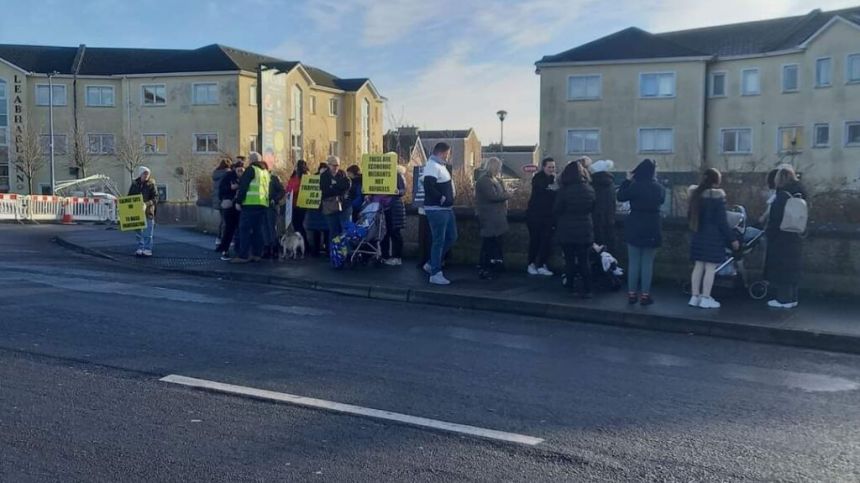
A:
(515, 159)
(172, 108)
(739, 97)
(465, 149)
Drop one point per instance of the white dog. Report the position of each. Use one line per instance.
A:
(292, 246)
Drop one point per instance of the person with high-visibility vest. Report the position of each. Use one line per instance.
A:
(253, 202)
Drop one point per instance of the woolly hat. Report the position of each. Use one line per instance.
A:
(141, 170)
(602, 165)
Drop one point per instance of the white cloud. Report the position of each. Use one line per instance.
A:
(530, 24)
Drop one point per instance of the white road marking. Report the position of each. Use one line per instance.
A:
(351, 409)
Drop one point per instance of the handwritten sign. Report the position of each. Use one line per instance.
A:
(132, 213)
(310, 195)
(379, 172)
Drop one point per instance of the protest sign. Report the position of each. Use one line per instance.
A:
(309, 192)
(132, 213)
(379, 174)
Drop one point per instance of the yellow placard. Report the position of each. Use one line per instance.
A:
(379, 174)
(131, 213)
(309, 192)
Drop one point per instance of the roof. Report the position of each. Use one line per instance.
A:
(748, 38)
(125, 61)
(400, 143)
(494, 148)
(445, 134)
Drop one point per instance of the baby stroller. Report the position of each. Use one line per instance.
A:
(361, 242)
(732, 272)
(605, 272)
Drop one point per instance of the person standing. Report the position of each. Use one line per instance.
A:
(253, 202)
(294, 185)
(539, 218)
(144, 185)
(784, 262)
(316, 225)
(395, 221)
(491, 203)
(277, 195)
(355, 196)
(227, 191)
(574, 205)
(642, 229)
(604, 207)
(438, 207)
(711, 236)
(217, 175)
(334, 187)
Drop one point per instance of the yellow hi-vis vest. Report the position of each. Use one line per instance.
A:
(258, 191)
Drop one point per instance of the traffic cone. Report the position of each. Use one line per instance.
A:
(68, 219)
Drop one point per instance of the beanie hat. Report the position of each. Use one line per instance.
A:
(602, 165)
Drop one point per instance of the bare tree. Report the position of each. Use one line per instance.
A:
(130, 154)
(82, 157)
(188, 172)
(31, 159)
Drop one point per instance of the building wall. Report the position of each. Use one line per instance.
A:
(619, 113)
(772, 109)
(247, 111)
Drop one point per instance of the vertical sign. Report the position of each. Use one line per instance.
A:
(273, 114)
(379, 174)
(310, 195)
(418, 186)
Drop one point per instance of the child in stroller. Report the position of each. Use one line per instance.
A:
(605, 271)
(360, 242)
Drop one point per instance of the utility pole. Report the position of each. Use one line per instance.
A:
(502, 115)
(51, 126)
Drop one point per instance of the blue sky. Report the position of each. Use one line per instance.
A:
(443, 64)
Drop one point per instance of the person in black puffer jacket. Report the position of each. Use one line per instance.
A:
(574, 205)
(604, 209)
(711, 236)
(784, 250)
(642, 228)
(539, 218)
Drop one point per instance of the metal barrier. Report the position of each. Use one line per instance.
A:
(44, 208)
(90, 209)
(12, 207)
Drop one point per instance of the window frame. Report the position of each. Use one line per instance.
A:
(154, 104)
(194, 100)
(252, 95)
(782, 79)
(658, 96)
(207, 152)
(711, 76)
(815, 144)
(847, 143)
(99, 86)
(654, 151)
(336, 150)
(742, 86)
(848, 59)
(736, 130)
(585, 151)
(166, 192)
(154, 153)
(830, 72)
(47, 152)
(334, 107)
(48, 103)
(599, 95)
(253, 143)
(312, 105)
(779, 129)
(101, 151)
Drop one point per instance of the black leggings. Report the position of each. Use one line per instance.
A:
(491, 249)
(299, 221)
(540, 242)
(576, 262)
(392, 244)
(231, 224)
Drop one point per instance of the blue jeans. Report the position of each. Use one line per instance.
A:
(144, 236)
(252, 224)
(443, 232)
(641, 269)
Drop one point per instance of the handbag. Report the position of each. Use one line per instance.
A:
(226, 204)
(331, 205)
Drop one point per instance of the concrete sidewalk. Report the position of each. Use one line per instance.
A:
(827, 324)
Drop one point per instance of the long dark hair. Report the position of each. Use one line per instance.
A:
(573, 173)
(301, 168)
(710, 180)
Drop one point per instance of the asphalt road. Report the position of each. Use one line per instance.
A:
(83, 345)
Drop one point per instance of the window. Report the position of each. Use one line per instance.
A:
(61, 144)
(736, 141)
(204, 94)
(333, 107)
(852, 68)
(790, 139)
(365, 126)
(333, 148)
(656, 140)
(790, 78)
(155, 143)
(580, 87)
(657, 85)
(583, 141)
(252, 144)
(205, 143)
(4, 117)
(100, 143)
(472, 160)
(822, 136)
(42, 95)
(718, 84)
(162, 192)
(750, 82)
(852, 134)
(297, 123)
(44, 189)
(100, 96)
(154, 95)
(252, 95)
(823, 72)
(312, 104)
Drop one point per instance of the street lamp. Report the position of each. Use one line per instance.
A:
(51, 125)
(502, 115)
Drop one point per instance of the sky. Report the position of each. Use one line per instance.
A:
(442, 64)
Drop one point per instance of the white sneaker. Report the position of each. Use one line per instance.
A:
(778, 305)
(392, 262)
(439, 279)
(532, 270)
(695, 300)
(147, 253)
(544, 271)
(708, 303)
(428, 268)
(138, 253)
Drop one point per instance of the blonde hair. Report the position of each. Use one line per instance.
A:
(784, 176)
(492, 163)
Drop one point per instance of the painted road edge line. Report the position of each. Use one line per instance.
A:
(351, 409)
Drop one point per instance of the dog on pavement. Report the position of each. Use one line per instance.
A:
(292, 246)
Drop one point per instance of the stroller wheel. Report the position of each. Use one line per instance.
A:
(758, 290)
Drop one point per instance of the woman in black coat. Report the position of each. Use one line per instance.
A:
(539, 218)
(604, 208)
(574, 205)
(395, 221)
(334, 190)
(711, 236)
(642, 228)
(784, 250)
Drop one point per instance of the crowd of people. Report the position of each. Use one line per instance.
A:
(575, 210)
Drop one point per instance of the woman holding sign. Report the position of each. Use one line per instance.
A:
(293, 186)
(145, 186)
(334, 186)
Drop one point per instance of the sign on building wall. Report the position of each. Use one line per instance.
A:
(418, 186)
(131, 213)
(273, 117)
(310, 195)
(379, 173)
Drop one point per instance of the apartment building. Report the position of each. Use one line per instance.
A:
(739, 97)
(180, 108)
